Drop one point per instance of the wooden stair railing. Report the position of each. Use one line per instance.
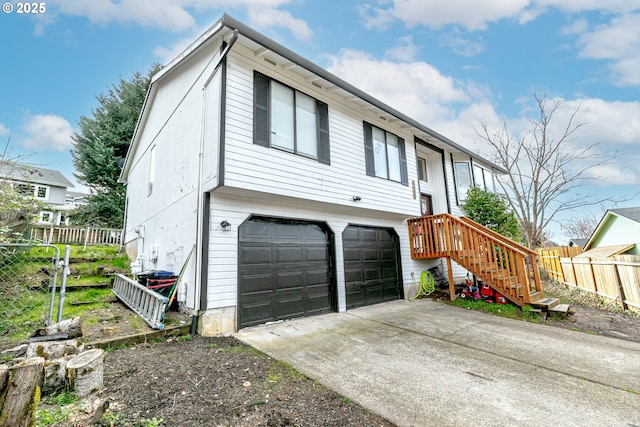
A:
(506, 266)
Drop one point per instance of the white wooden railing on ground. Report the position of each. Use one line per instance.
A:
(145, 302)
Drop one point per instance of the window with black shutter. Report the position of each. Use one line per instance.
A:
(385, 154)
(289, 120)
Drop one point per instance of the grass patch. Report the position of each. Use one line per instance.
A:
(503, 310)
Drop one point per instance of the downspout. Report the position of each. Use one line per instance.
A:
(201, 263)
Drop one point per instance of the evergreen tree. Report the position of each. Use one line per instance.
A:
(492, 211)
(102, 144)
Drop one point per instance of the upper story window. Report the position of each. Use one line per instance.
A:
(385, 154)
(422, 169)
(40, 192)
(289, 120)
(463, 179)
(483, 178)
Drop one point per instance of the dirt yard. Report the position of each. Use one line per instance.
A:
(196, 381)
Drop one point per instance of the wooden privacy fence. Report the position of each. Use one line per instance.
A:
(616, 278)
(76, 235)
(549, 259)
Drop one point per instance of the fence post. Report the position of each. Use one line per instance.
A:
(621, 295)
(86, 237)
(593, 275)
(63, 283)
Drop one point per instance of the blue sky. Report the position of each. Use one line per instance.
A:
(446, 64)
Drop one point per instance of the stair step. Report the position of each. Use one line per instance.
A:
(560, 308)
(546, 303)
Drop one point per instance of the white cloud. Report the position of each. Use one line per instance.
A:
(173, 15)
(47, 132)
(164, 14)
(268, 17)
(413, 88)
(4, 131)
(478, 14)
(618, 42)
(404, 51)
(473, 15)
(460, 45)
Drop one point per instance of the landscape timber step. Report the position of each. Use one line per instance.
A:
(560, 310)
(546, 303)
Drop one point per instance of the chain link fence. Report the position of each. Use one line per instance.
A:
(29, 275)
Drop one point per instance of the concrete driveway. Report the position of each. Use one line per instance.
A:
(422, 363)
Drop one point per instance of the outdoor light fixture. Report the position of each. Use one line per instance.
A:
(356, 198)
(225, 225)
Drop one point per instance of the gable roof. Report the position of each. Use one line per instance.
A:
(33, 174)
(629, 213)
(270, 49)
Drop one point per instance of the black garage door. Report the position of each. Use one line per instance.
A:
(284, 270)
(371, 265)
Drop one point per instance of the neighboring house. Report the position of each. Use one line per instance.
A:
(293, 185)
(617, 233)
(46, 185)
(578, 242)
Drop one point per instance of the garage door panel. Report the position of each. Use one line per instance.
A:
(370, 254)
(353, 275)
(257, 282)
(255, 231)
(255, 255)
(351, 254)
(372, 272)
(317, 254)
(288, 280)
(289, 254)
(318, 277)
(368, 235)
(284, 271)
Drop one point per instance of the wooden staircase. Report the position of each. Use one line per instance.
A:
(503, 264)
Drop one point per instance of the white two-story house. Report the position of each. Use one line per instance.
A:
(293, 185)
(45, 185)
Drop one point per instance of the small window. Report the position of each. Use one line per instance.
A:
(463, 179)
(41, 192)
(24, 189)
(289, 120)
(385, 154)
(478, 177)
(488, 180)
(422, 169)
(46, 217)
(152, 166)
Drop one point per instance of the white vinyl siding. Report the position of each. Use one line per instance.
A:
(265, 170)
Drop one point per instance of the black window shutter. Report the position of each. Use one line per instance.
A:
(404, 176)
(368, 149)
(324, 153)
(261, 109)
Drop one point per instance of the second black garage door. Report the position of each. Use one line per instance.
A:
(371, 265)
(284, 270)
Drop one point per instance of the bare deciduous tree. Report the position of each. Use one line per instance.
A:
(581, 227)
(546, 168)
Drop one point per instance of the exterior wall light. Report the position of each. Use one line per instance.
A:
(356, 198)
(226, 226)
